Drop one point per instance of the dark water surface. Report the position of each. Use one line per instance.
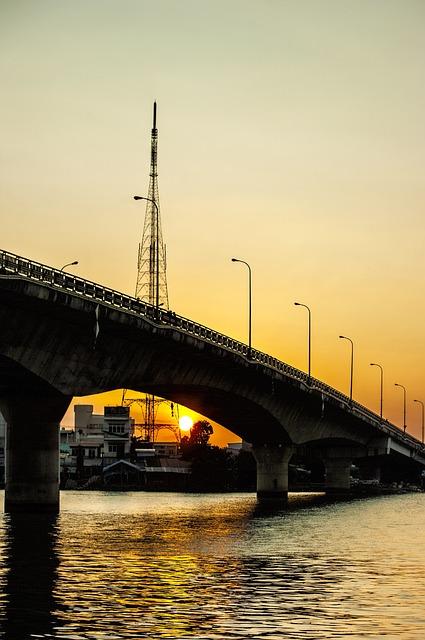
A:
(162, 565)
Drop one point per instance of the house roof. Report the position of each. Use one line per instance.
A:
(124, 462)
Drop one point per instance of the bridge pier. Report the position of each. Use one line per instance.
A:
(272, 472)
(337, 474)
(370, 469)
(32, 450)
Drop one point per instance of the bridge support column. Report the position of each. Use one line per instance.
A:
(272, 472)
(337, 474)
(32, 451)
(370, 469)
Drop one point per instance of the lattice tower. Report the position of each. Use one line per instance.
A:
(151, 264)
(151, 285)
(150, 428)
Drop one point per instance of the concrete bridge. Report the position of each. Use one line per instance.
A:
(61, 336)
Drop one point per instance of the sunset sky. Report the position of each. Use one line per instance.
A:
(291, 135)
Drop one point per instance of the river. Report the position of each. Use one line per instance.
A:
(165, 565)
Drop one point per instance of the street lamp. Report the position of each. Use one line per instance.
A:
(69, 264)
(422, 405)
(156, 248)
(249, 304)
(351, 366)
(300, 304)
(374, 364)
(404, 404)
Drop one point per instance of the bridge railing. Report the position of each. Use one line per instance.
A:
(14, 264)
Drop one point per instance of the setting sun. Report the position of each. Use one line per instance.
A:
(185, 423)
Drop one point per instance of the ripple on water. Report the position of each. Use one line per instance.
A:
(116, 566)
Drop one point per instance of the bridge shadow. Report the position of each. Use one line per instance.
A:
(31, 563)
(307, 500)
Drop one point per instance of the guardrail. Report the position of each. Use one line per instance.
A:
(14, 264)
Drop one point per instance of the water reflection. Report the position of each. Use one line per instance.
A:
(163, 573)
(295, 503)
(30, 562)
(169, 566)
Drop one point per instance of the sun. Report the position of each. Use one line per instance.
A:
(185, 423)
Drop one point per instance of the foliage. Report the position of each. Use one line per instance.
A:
(245, 471)
(212, 469)
(199, 434)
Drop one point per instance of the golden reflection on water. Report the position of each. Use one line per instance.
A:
(172, 558)
(116, 566)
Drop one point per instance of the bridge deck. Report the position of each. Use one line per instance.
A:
(14, 265)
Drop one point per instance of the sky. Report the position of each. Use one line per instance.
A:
(291, 135)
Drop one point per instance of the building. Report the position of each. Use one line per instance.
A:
(103, 448)
(234, 448)
(167, 449)
(96, 441)
(117, 432)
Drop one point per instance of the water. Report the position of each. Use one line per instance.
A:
(163, 565)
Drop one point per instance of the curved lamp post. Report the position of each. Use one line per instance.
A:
(374, 364)
(249, 304)
(69, 264)
(300, 304)
(351, 365)
(404, 404)
(156, 247)
(422, 405)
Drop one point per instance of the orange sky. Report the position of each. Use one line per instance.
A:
(290, 135)
(220, 437)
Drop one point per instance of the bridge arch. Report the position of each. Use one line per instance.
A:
(75, 338)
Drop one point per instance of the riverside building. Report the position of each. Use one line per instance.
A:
(103, 450)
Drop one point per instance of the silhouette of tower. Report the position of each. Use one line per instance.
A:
(151, 285)
(151, 264)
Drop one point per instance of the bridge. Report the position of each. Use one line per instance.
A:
(62, 336)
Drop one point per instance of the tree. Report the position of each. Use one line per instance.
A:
(201, 432)
(245, 471)
(211, 469)
(199, 435)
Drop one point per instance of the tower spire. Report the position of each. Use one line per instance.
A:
(151, 285)
(151, 264)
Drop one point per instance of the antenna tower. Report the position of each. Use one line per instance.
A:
(151, 285)
(151, 263)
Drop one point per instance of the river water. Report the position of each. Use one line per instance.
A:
(166, 565)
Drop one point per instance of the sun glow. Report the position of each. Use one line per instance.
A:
(185, 423)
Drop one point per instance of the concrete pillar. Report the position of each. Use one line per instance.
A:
(370, 469)
(337, 474)
(272, 472)
(32, 450)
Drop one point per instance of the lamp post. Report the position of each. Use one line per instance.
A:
(156, 247)
(300, 304)
(404, 404)
(249, 304)
(351, 366)
(69, 264)
(374, 364)
(422, 405)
